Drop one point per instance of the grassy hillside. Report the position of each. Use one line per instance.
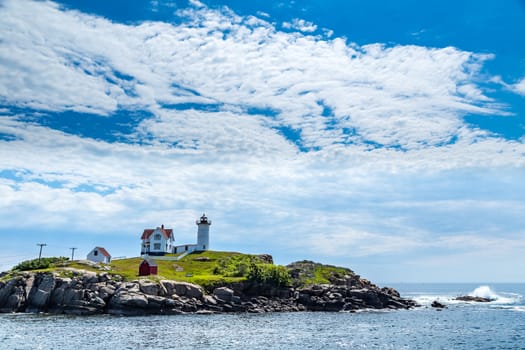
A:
(207, 268)
(202, 268)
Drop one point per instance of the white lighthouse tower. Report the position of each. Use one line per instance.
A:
(203, 233)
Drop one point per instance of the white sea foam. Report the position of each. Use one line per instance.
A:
(500, 298)
(484, 292)
(426, 300)
(512, 308)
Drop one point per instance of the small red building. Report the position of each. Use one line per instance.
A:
(148, 267)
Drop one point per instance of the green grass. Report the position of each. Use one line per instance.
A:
(205, 272)
(208, 268)
(323, 273)
(79, 266)
(315, 273)
(14, 273)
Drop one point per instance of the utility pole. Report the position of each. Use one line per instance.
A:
(72, 253)
(40, 254)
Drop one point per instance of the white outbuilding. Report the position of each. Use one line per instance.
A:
(99, 255)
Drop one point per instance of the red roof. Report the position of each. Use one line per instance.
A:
(167, 232)
(103, 251)
(149, 262)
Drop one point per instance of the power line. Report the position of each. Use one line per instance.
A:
(14, 256)
(40, 253)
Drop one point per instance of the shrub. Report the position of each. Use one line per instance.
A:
(235, 265)
(271, 274)
(37, 264)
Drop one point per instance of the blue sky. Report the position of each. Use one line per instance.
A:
(383, 136)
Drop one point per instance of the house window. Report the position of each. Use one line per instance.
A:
(95, 253)
(157, 237)
(156, 246)
(186, 248)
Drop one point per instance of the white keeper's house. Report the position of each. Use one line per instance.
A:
(157, 241)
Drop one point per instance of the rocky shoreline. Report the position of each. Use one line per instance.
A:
(86, 293)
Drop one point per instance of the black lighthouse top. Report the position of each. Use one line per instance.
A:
(203, 220)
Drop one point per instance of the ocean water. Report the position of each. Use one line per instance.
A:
(496, 325)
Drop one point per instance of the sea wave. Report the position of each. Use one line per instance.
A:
(499, 298)
(520, 308)
(484, 291)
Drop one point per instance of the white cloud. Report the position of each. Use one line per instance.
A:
(519, 87)
(263, 14)
(328, 32)
(406, 96)
(301, 25)
(196, 3)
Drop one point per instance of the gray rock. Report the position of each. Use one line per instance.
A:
(266, 258)
(6, 289)
(202, 258)
(80, 310)
(205, 312)
(223, 293)
(475, 299)
(155, 303)
(106, 292)
(170, 303)
(436, 304)
(148, 287)
(227, 308)
(41, 291)
(123, 298)
(182, 289)
(132, 287)
(96, 303)
(16, 300)
(29, 280)
(89, 278)
(71, 296)
(209, 299)
(285, 293)
(194, 291)
(104, 277)
(94, 287)
(169, 286)
(390, 291)
(335, 295)
(372, 299)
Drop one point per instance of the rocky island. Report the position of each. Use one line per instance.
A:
(229, 282)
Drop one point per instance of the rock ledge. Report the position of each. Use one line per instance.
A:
(90, 293)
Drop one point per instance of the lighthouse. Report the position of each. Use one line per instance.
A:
(203, 233)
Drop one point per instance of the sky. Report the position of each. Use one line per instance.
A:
(388, 137)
